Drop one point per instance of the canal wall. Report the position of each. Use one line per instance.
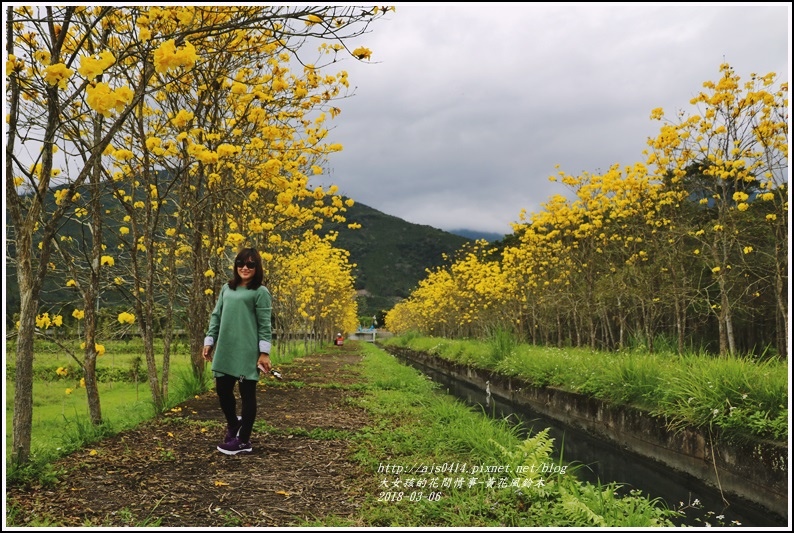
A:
(756, 472)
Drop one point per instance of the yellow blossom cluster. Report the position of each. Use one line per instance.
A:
(234, 240)
(126, 318)
(58, 74)
(44, 321)
(61, 196)
(362, 52)
(91, 67)
(170, 57)
(105, 100)
(182, 119)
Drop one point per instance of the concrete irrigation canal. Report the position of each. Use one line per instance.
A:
(746, 485)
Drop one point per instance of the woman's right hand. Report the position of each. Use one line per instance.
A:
(207, 353)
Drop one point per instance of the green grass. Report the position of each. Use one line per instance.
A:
(54, 412)
(731, 393)
(60, 407)
(740, 398)
(414, 423)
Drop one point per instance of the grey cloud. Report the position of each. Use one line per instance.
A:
(469, 107)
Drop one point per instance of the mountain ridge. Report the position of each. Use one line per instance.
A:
(391, 255)
(476, 235)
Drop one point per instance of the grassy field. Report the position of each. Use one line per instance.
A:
(60, 407)
(56, 415)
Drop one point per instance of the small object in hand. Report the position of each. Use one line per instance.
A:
(276, 374)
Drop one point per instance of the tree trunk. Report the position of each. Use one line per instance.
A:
(23, 375)
(151, 366)
(621, 325)
(723, 319)
(89, 362)
(679, 326)
(723, 336)
(91, 295)
(780, 298)
(729, 334)
(28, 292)
(30, 282)
(559, 330)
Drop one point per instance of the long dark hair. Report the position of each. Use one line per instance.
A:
(248, 254)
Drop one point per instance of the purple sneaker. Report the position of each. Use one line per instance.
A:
(232, 432)
(235, 446)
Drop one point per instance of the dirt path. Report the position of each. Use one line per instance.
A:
(167, 472)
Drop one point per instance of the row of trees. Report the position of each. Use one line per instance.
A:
(186, 132)
(690, 245)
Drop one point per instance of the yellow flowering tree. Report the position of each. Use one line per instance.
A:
(732, 157)
(239, 138)
(50, 96)
(431, 308)
(481, 292)
(645, 252)
(313, 289)
(539, 266)
(91, 81)
(611, 235)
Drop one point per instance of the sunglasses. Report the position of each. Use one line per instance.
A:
(239, 263)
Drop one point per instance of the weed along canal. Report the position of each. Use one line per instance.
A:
(598, 460)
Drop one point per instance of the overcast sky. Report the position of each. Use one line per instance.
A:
(465, 109)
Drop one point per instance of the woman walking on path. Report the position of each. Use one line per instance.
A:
(238, 344)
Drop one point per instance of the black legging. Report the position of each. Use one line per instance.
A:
(224, 386)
